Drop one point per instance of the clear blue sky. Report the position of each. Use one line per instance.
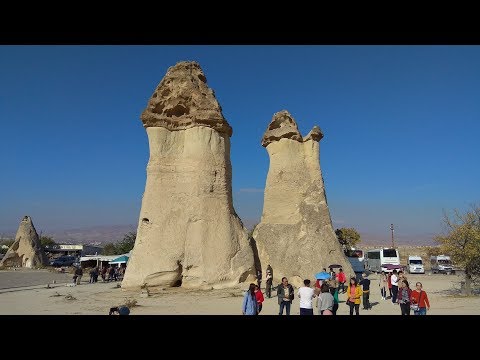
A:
(401, 127)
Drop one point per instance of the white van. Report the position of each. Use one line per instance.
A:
(415, 265)
(441, 264)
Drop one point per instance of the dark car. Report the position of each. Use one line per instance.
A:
(63, 261)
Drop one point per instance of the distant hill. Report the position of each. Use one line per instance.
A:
(112, 233)
(400, 239)
(97, 235)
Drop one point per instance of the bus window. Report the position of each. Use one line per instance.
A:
(389, 253)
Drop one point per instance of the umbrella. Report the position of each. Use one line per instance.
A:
(322, 275)
(334, 266)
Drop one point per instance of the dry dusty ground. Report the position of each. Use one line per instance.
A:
(24, 292)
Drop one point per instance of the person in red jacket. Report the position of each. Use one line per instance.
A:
(342, 279)
(419, 297)
(260, 298)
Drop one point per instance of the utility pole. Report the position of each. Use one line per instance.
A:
(393, 243)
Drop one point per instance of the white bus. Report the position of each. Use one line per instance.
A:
(356, 259)
(376, 260)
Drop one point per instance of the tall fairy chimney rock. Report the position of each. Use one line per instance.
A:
(26, 251)
(295, 235)
(188, 233)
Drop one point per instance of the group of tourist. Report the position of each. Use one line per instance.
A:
(401, 294)
(110, 273)
(325, 294)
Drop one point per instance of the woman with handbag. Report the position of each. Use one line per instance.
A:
(403, 297)
(419, 299)
(354, 293)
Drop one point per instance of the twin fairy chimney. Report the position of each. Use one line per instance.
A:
(188, 233)
(26, 251)
(295, 235)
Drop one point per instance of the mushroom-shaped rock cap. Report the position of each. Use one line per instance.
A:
(183, 100)
(314, 134)
(27, 220)
(282, 126)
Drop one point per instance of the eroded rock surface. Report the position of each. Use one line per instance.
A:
(188, 234)
(26, 251)
(295, 235)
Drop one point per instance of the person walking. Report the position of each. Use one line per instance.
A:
(103, 273)
(259, 278)
(333, 287)
(269, 281)
(92, 276)
(401, 277)
(354, 293)
(260, 298)
(325, 300)
(383, 284)
(403, 297)
(249, 306)
(365, 283)
(419, 300)
(78, 274)
(342, 279)
(394, 280)
(285, 294)
(306, 295)
(389, 282)
(335, 302)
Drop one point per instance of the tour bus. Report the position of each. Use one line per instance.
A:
(356, 258)
(376, 260)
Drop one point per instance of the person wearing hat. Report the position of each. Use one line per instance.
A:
(365, 282)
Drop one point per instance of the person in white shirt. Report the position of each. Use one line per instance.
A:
(394, 280)
(306, 295)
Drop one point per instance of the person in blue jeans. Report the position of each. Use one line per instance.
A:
(250, 306)
(285, 295)
(419, 299)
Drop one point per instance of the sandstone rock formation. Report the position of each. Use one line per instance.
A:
(26, 251)
(188, 232)
(295, 235)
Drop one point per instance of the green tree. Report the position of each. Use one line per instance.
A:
(462, 242)
(433, 251)
(348, 237)
(109, 249)
(127, 243)
(5, 245)
(47, 241)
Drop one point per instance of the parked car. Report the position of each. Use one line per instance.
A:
(63, 261)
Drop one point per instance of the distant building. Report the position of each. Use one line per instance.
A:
(72, 249)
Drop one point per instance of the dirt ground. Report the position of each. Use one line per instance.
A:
(25, 292)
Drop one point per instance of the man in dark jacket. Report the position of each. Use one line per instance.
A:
(269, 277)
(366, 291)
(78, 275)
(285, 295)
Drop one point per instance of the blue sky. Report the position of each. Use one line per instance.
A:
(401, 127)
